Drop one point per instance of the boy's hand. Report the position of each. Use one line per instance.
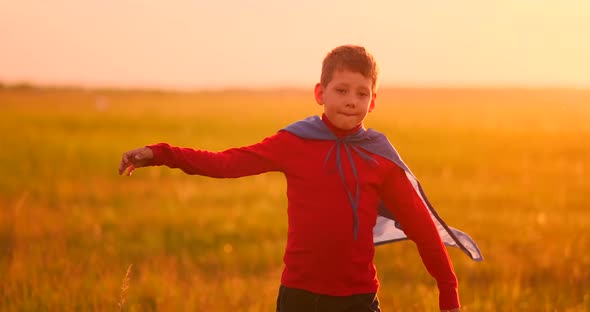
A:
(135, 158)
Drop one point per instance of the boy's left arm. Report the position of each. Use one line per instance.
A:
(401, 199)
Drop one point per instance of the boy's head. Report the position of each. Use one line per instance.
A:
(347, 87)
(351, 58)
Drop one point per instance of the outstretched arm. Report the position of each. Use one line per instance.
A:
(262, 157)
(402, 200)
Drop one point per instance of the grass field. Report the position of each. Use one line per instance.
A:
(509, 167)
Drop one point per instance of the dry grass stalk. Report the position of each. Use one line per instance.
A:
(124, 288)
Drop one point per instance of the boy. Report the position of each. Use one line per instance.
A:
(342, 181)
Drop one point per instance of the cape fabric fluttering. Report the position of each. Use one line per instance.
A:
(387, 229)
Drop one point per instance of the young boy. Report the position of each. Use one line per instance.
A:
(347, 190)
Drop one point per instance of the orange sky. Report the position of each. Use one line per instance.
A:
(270, 43)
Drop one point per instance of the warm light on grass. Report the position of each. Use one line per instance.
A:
(509, 167)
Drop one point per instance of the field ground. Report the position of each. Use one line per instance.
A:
(508, 166)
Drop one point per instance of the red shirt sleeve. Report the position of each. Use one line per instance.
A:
(261, 157)
(401, 199)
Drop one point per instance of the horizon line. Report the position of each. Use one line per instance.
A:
(163, 89)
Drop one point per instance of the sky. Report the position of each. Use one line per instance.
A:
(182, 44)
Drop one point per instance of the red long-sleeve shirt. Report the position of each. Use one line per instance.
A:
(322, 255)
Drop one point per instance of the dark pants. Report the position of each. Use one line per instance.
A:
(298, 300)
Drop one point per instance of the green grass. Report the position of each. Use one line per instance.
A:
(509, 167)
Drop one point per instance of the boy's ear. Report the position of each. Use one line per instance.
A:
(319, 93)
(372, 105)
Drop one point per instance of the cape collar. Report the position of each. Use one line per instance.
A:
(339, 132)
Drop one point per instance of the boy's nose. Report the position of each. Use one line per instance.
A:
(351, 102)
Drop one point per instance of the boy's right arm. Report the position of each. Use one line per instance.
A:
(232, 163)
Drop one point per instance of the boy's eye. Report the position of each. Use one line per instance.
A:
(363, 94)
(341, 91)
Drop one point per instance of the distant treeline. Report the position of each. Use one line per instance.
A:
(382, 88)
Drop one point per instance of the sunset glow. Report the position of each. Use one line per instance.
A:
(220, 44)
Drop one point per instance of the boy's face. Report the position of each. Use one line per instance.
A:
(346, 99)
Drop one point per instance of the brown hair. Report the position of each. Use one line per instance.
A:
(349, 57)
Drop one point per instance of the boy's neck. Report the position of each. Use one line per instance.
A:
(337, 131)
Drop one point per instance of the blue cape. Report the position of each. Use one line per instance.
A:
(387, 229)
